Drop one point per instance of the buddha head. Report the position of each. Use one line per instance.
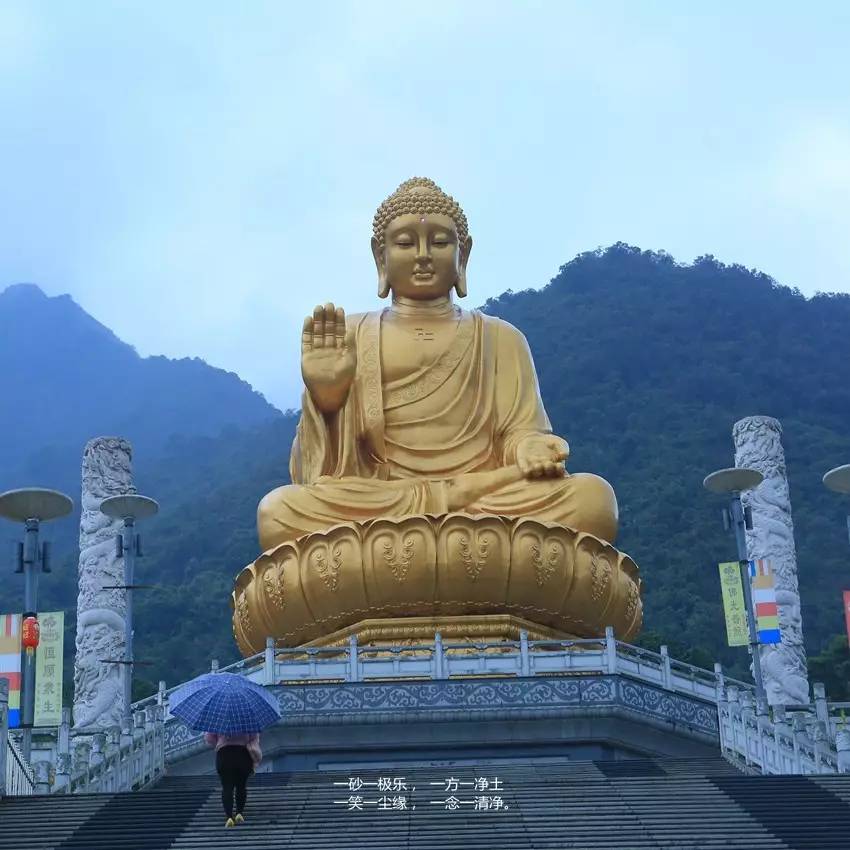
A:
(421, 242)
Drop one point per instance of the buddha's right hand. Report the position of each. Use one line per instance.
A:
(328, 357)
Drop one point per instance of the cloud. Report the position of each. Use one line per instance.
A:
(811, 169)
(199, 175)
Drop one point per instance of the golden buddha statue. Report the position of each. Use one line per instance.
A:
(423, 459)
(424, 407)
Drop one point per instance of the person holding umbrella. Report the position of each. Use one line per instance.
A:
(236, 758)
(231, 711)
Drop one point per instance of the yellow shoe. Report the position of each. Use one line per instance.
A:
(229, 822)
(239, 819)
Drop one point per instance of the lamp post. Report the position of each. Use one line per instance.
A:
(731, 483)
(31, 506)
(129, 507)
(838, 480)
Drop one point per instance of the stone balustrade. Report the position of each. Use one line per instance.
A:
(795, 739)
(115, 759)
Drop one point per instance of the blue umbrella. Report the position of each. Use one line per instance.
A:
(224, 703)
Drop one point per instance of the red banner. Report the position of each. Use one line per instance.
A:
(847, 613)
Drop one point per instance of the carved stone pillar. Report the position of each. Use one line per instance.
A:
(758, 446)
(98, 691)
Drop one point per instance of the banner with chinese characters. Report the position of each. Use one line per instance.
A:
(48, 669)
(734, 607)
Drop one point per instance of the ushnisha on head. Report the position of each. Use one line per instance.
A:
(420, 242)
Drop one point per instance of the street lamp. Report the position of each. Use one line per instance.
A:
(32, 506)
(838, 480)
(129, 507)
(733, 482)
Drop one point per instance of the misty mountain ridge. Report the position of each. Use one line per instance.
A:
(65, 378)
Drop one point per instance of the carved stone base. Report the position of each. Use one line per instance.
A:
(414, 631)
(453, 567)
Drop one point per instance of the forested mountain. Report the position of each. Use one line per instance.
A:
(64, 378)
(644, 364)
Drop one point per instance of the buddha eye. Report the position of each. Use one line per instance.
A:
(404, 244)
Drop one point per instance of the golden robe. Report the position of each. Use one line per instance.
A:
(393, 446)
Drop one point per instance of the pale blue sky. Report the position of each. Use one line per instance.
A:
(198, 174)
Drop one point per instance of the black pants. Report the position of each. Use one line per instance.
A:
(234, 766)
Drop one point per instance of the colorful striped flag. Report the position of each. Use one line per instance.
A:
(764, 602)
(10, 663)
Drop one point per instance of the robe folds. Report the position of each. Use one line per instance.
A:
(393, 446)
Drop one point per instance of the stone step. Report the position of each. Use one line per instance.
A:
(620, 805)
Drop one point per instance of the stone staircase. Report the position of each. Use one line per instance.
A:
(621, 805)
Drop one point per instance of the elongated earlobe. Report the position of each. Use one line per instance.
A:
(378, 254)
(460, 283)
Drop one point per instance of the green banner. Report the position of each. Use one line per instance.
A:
(48, 669)
(734, 607)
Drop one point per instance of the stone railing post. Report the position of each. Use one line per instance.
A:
(666, 671)
(96, 765)
(96, 752)
(610, 650)
(214, 666)
(41, 769)
(113, 736)
(734, 707)
(63, 739)
(747, 712)
(781, 731)
(734, 710)
(820, 742)
(762, 726)
(80, 770)
(4, 732)
(160, 693)
(150, 744)
(112, 759)
(722, 719)
(842, 745)
(268, 662)
(439, 657)
(524, 659)
(62, 777)
(159, 719)
(138, 765)
(800, 740)
(126, 737)
(125, 753)
(821, 706)
(720, 681)
(353, 660)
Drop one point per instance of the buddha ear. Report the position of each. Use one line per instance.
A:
(378, 254)
(460, 283)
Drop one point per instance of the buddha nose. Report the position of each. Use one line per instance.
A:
(423, 251)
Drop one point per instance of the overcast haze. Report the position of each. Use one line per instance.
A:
(198, 175)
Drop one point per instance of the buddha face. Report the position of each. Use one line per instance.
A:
(421, 257)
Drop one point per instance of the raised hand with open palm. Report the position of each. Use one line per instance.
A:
(328, 357)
